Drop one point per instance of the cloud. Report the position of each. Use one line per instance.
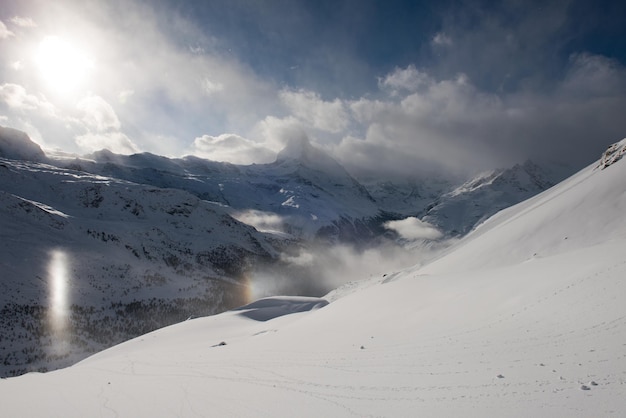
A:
(419, 132)
(182, 81)
(98, 114)
(124, 95)
(277, 132)
(16, 96)
(413, 229)
(23, 22)
(407, 79)
(515, 45)
(441, 39)
(307, 106)
(232, 148)
(592, 76)
(211, 87)
(4, 31)
(317, 269)
(116, 142)
(262, 221)
(486, 87)
(103, 128)
(451, 126)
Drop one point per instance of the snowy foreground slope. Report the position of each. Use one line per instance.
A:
(525, 317)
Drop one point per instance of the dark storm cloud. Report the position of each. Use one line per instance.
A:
(429, 125)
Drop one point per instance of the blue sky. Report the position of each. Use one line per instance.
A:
(390, 88)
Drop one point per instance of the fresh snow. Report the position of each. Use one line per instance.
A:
(524, 317)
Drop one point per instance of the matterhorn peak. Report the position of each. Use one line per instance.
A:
(297, 148)
(301, 150)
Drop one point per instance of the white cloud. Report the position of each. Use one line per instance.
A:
(262, 221)
(405, 79)
(441, 39)
(420, 132)
(413, 229)
(103, 128)
(24, 22)
(4, 31)
(232, 148)
(277, 132)
(116, 142)
(98, 114)
(17, 97)
(330, 116)
(124, 95)
(211, 87)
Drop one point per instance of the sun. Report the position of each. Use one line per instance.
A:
(62, 66)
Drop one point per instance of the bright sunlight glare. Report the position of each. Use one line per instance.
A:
(62, 66)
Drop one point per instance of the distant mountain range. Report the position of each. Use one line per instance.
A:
(141, 241)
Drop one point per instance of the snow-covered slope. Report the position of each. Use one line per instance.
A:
(458, 211)
(487, 330)
(586, 209)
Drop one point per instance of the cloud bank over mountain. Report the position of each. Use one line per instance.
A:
(389, 90)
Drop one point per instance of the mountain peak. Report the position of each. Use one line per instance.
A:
(301, 150)
(296, 149)
(17, 145)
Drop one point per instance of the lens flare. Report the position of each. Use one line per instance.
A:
(247, 290)
(58, 284)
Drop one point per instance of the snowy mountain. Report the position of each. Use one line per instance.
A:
(583, 211)
(305, 188)
(315, 197)
(16, 145)
(458, 211)
(144, 241)
(407, 197)
(523, 317)
(130, 258)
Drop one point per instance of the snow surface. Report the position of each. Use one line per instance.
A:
(525, 317)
